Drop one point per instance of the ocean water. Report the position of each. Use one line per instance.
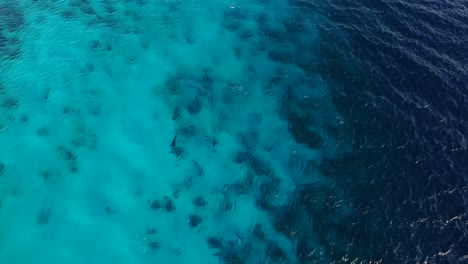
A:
(251, 131)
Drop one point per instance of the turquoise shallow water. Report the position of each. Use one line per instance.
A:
(155, 131)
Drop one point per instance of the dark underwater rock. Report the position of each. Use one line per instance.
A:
(199, 202)
(178, 151)
(95, 45)
(188, 181)
(154, 245)
(275, 253)
(156, 205)
(226, 205)
(42, 131)
(67, 13)
(287, 220)
(68, 155)
(176, 113)
(176, 192)
(194, 220)
(168, 204)
(195, 106)
(73, 167)
(9, 103)
(109, 8)
(259, 166)
(11, 16)
(214, 243)
(242, 157)
(302, 133)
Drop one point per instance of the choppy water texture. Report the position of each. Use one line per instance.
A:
(252, 131)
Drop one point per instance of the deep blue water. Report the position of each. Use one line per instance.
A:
(400, 74)
(250, 131)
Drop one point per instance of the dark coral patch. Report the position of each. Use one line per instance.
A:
(199, 202)
(303, 133)
(176, 192)
(194, 220)
(66, 154)
(275, 253)
(9, 103)
(168, 204)
(156, 205)
(195, 106)
(154, 245)
(178, 151)
(176, 113)
(42, 131)
(214, 243)
(188, 130)
(258, 232)
(11, 17)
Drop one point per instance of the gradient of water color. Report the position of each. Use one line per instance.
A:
(252, 131)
